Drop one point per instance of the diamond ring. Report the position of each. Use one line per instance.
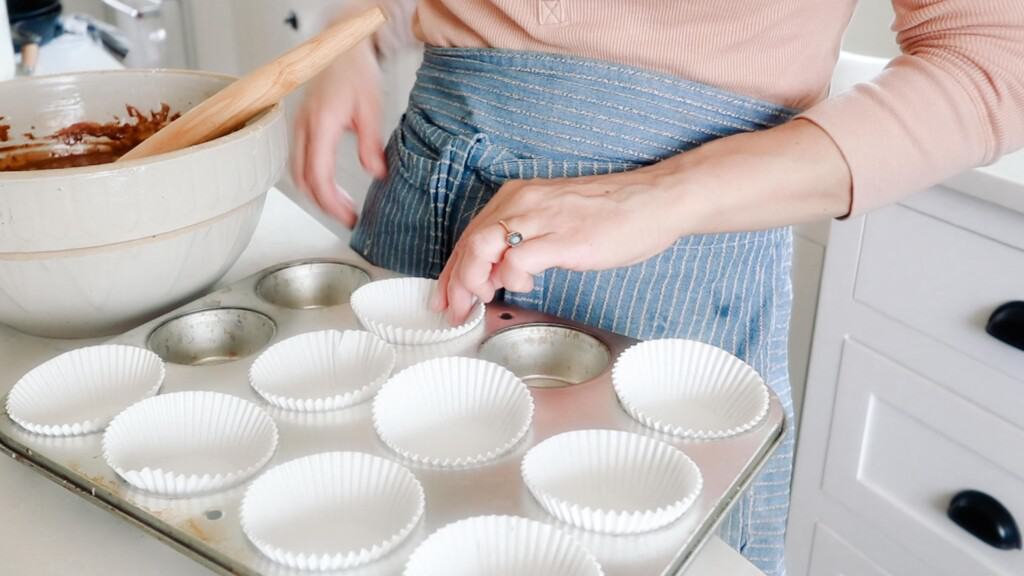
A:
(512, 239)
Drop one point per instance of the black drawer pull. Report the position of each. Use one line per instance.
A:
(292, 20)
(1007, 324)
(985, 518)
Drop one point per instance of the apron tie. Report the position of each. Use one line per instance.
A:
(456, 162)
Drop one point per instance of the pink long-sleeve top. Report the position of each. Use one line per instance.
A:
(953, 100)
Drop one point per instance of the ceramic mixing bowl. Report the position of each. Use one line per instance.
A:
(94, 250)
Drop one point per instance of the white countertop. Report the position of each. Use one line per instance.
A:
(47, 530)
(71, 52)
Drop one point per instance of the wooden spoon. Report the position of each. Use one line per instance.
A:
(229, 109)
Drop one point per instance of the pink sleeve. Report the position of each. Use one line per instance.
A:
(397, 33)
(953, 100)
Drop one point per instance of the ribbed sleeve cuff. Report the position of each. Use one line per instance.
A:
(911, 127)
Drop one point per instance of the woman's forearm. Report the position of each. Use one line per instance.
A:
(787, 175)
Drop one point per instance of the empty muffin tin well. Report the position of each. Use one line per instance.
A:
(548, 355)
(308, 285)
(212, 336)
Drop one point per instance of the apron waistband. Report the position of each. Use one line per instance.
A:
(498, 115)
(555, 107)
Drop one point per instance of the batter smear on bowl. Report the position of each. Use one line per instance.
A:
(83, 143)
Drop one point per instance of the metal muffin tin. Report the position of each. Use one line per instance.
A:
(210, 343)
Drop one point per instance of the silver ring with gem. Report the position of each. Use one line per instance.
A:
(512, 238)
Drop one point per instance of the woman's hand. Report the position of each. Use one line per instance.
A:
(753, 181)
(588, 223)
(344, 97)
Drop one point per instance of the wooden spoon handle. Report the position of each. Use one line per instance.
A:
(246, 97)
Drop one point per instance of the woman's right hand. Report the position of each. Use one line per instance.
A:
(344, 97)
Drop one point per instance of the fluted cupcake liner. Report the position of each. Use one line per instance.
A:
(324, 370)
(462, 345)
(453, 412)
(398, 310)
(611, 481)
(689, 389)
(80, 391)
(331, 511)
(501, 546)
(189, 442)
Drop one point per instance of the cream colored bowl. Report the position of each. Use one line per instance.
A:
(95, 250)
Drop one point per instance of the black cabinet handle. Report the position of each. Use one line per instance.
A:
(985, 518)
(1007, 324)
(292, 20)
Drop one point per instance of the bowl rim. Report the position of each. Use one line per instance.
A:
(6, 257)
(262, 120)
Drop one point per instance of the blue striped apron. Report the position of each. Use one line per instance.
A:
(478, 118)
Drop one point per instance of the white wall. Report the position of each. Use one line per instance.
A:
(94, 8)
(869, 32)
(213, 30)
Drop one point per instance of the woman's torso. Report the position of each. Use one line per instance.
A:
(782, 51)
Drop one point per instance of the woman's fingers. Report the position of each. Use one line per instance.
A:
(466, 276)
(520, 264)
(440, 299)
(345, 96)
(511, 279)
(480, 251)
(459, 300)
(320, 151)
(367, 128)
(471, 270)
(298, 160)
(530, 259)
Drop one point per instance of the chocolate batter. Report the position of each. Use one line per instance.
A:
(83, 143)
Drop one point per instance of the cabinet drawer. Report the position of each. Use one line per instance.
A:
(901, 446)
(833, 556)
(941, 280)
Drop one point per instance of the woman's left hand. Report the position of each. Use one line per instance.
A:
(586, 223)
(749, 181)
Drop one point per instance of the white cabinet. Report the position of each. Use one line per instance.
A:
(809, 243)
(909, 401)
(835, 557)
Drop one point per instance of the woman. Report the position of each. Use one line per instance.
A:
(635, 165)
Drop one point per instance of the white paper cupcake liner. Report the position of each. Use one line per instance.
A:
(453, 412)
(331, 511)
(398, 310)
(189, 442)
(611, 481)
(501, 546)
(325, 370)
(689, 389)
(462, 345)
(80, 391)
